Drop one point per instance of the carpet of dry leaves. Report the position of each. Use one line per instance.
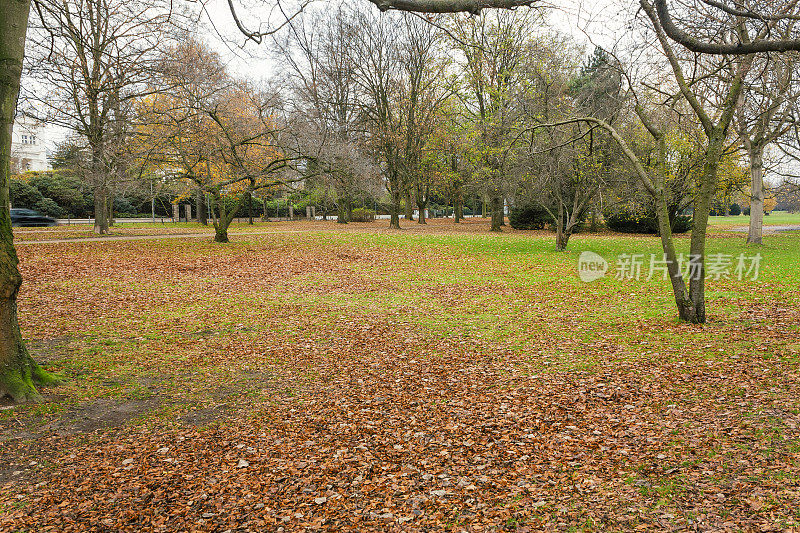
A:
(355, 380)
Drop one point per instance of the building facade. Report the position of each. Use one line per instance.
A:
(28, 150)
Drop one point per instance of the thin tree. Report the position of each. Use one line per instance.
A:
(767, 111)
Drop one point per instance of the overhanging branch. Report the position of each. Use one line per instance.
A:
(449, 6)
(742, 48)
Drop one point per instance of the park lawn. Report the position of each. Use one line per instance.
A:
(320, 377)
(776, 218)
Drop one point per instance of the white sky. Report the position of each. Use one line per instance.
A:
(603, 20)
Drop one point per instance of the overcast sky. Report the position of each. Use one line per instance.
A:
(597, 22)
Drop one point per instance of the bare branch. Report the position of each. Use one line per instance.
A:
(449, 6)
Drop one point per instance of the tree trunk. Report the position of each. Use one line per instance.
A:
(756, 194)
(497, 212)
(458, 206)
(685, 307)
(202, 213)
(249, 200)
(422, 202)
(394, 209)
(341, 211)
(101, 210)
(19, 374)
(223, 219)
(697, 247)
(560, 241)
(110, 203)
(458, 194)
(409, 206)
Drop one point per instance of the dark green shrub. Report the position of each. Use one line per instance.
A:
(626, 220)
(363, 215)
(67, 190)
(681, 224)
(736, 209)
(529, 217)
(123, 206)
(746, 211)
(48, 207)
(23, 194)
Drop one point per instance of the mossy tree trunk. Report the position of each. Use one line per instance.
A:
(100, 210)
(394, 208)
(248, 197)
(19, 373)
(222, 217)
(755, 230)
(342, 212)
(458, 192)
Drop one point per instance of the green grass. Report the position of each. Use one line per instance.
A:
(776, 218)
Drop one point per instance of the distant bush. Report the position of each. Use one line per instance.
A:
(746, 211)
(529, 217)
(122, 206)
(363, 215)
(39, 190)
(48, 207)
(23, 194)
(68, 191)
(681, 224)
(736, 209)
(629, 221)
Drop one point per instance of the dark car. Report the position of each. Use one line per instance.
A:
(29, 217)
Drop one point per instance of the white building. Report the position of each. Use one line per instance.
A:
(28, 150)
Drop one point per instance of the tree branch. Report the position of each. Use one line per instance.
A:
(448, 6)
(702, 47)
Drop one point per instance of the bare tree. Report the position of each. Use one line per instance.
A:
(564, 170)
(423, 92)
(89, 59)
(767, 111)
(375, 56)
(317, 54)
